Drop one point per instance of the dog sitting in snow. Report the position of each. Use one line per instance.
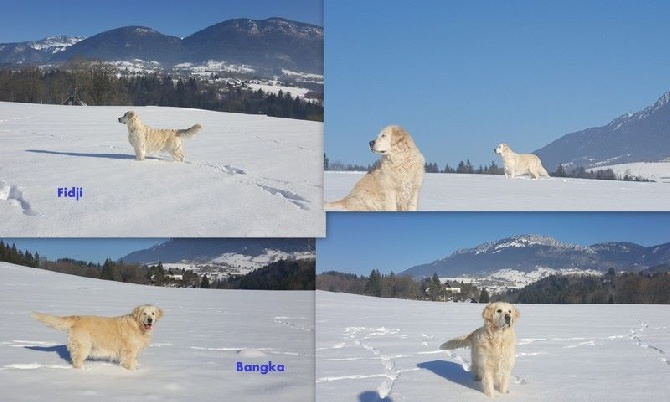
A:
(145, 139)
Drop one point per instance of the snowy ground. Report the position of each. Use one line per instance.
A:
(462, 192)
(193, 355)
(371, 350)
(246, 175)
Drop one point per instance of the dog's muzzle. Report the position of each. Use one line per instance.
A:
(508, 319)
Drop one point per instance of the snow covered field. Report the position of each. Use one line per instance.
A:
(371, 350)
(245, 176)
(462, 192)
(193, 355)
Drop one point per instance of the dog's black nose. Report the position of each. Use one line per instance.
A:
(372, 143)
(507, 318)
(150, 320)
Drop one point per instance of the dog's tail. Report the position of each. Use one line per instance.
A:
(189, 132)
(334, 206)
(59, 323)
(464, 341)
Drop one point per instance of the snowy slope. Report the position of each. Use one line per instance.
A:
(371, 350)
(651, 171)
(462, 192)
(246, 175)
(193, 355)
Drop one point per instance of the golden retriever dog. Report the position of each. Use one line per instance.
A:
(493, 347)
(145, 139)
(395, 183)
(117, 338)
(520, 164)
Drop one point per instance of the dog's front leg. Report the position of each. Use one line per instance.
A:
(390, 201)
(488, 383)
(129, 359)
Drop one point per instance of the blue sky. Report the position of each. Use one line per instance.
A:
(463, 76)
(90, 250)
(36, 19)
(360, 242)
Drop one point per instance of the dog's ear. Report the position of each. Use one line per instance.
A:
(137, 313)
(398, 135)
(159, 313)
(488, 312)
(516, 314)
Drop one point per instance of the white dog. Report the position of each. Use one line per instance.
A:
(145, 139)
(520, 164)
(393, 185)
(119, 338)
(493, 347)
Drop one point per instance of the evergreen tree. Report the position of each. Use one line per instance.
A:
(373, 287)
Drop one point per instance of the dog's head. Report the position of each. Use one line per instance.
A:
(500, 315)
(146, 316)
(127, 116)
(501, 149)
(391, 139)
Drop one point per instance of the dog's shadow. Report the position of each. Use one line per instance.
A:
(451, 371)
(61, 350)
(372, 396)
(104, 156)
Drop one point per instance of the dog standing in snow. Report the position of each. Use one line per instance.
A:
(520, 164)
(145, 139)
(493, 347)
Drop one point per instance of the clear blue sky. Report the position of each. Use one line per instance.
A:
(360, 242)
(463, 76)
(36, 19)
(90, 250)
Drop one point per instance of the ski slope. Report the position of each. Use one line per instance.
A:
(193, 355)
(371, 350)
(245, 176)
(463, 192)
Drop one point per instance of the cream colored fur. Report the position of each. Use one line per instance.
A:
(520, 164)
(394, 185)
(493, 347)
(117, 338)
(147, 140)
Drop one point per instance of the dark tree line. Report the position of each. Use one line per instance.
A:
(13, 255)
(280, 275)
(83, 82)
(626, 288)
(601, 174)
(398, 286)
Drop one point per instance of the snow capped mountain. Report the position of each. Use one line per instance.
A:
(533, 257)
(264, 46)
(221, 257)
(35, 52)
(632, 137)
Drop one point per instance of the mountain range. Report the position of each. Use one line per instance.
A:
(634, 137)
(272, 44)
(529, 253)
(202, 250)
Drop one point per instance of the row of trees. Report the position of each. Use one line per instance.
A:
(85, 82)
(466, 167)
(12, 254)
(626, 288)
(280, 275)
(399, 286)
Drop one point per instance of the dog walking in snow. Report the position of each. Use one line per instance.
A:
(145, 139)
